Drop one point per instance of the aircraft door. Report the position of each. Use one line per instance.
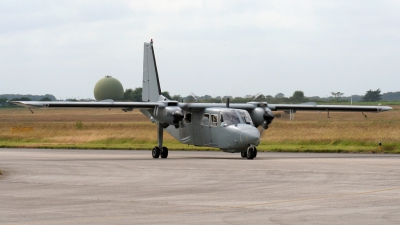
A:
(205, 129)
(214, 129)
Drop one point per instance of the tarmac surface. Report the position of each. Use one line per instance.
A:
(42, 186)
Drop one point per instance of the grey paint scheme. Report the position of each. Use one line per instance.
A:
(173, 116)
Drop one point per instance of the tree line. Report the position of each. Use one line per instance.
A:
(298, 96)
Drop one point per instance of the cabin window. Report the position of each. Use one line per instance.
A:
(206, 119)
(214, 120)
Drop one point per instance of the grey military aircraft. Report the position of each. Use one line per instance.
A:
(229, 127)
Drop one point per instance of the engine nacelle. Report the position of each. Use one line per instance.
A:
(170, 115)
(262, 116)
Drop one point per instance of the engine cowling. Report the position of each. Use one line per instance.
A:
(170, 115)
(262, 116)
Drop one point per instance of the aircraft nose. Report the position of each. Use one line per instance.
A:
(250, 136)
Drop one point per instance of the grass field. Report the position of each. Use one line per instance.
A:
(115, 129)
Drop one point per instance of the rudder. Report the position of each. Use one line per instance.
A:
(151, 90)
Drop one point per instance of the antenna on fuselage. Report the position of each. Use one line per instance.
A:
(227, 103)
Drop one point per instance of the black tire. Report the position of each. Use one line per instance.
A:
(250, 153)
(164, 152)
(155, 152)
(255, 152)
(243, 154)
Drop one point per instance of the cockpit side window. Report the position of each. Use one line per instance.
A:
(205, 121)
(245, 116)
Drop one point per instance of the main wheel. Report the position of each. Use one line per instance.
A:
(250, 153)
(243, 154)
(164, 152)
(255, 152)
(155, 152)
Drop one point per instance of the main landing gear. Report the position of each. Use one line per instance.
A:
(250, 153)
(157, 152)
(160, 150)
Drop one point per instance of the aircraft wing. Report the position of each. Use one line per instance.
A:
(246, 106)
(100, 104)
(286, 107)
(314, 107)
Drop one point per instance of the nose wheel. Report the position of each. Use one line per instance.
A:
(250, 153)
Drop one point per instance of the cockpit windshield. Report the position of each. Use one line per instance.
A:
(231, 117)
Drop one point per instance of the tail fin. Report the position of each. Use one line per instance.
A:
(151, 91)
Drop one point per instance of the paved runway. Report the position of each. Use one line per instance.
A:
(129, 187)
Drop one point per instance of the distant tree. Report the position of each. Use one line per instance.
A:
(391, 96)
(166, 94)
(298, 96)
(279, 95)
(337, 95)
(207, 97)
(177, 98)
(45, 99)
(190, 98)
(133, 95)
(3, 101)
(21, 99)
(372, 96)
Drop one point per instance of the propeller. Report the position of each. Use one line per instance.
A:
(194, 96)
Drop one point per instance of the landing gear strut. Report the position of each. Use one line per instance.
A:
(160, 150)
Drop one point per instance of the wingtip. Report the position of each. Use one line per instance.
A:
(386, 108)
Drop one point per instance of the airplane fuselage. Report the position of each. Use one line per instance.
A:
(231, 130)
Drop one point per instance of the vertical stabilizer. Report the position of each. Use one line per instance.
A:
(151, 85)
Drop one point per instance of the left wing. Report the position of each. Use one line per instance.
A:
(342, 108)
(285, 107)
(100, 104)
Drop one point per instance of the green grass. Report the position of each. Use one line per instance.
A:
(294, 146)
(114, 129)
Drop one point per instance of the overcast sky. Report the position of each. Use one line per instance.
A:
(205, 47)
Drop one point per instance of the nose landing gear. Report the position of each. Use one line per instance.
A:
(250, 153)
